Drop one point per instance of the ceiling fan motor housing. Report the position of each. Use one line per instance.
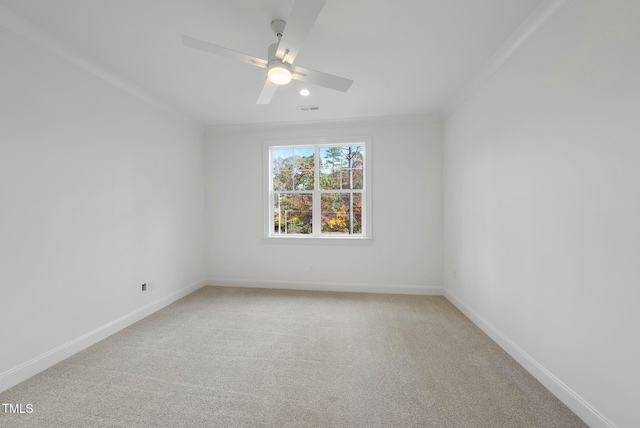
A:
(279, 71)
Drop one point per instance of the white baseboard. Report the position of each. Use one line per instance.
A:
(328, 286)
(577, 404)
(34, 366)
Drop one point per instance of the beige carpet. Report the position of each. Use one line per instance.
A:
(229, 357)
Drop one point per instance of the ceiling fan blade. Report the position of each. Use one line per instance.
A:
(268, 91)
(321, 79)
(225, 52)
(301, 19)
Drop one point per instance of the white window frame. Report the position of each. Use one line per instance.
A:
(366, 237)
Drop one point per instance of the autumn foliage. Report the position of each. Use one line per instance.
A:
(339, 187)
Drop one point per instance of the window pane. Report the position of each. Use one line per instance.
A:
(293, 169)
(357, 178)
(332, 158)
(303, 179)
(357, 157)
(292, 213)
(282, 179)
(343, 179)
(304, 153)
(330, 179)
(303, 169)
(282, 169)
(341, 213)
(341, 167)
(351, 178)
(279, 154)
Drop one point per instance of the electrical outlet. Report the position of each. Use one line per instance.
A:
(144, 286)
(311, 269)
(151, 285)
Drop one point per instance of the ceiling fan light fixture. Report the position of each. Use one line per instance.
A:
(280, 74)
(282, 54)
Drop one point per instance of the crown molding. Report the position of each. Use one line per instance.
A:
(535, 22)
(324, 124)
(20, 26)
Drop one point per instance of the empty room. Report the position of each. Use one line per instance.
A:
(319, 213)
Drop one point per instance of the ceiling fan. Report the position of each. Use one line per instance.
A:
(281, 55)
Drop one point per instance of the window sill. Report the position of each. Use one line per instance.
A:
(307, 240)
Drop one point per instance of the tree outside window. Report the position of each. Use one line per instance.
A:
(318, 190)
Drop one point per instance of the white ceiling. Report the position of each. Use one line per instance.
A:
(405, 56)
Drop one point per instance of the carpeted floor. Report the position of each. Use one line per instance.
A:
(233, 357)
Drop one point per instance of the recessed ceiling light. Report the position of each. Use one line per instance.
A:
(304, 92)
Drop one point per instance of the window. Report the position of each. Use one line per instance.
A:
(318, 189)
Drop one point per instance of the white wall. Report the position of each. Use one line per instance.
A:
(406, 255)
(99, 192)
(542, 208)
